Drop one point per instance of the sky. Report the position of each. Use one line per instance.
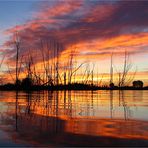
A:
(93, 29)
(14, 12)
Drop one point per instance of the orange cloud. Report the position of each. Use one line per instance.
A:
(95, 29)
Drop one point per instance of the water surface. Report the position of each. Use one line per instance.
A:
(74, 118)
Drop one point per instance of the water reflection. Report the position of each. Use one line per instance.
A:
(77, 118)
(16, 111)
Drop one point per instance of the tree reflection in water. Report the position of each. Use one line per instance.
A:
(53, 117)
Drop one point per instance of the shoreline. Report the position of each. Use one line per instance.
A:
(67, 87)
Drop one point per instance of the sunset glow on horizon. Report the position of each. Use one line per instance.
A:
(90, 30)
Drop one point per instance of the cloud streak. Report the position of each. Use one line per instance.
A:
(93, 26)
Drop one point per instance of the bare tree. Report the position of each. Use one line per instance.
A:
(111, 69)
(123, 75)
(17, 46)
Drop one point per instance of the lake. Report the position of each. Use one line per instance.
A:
(74, 118)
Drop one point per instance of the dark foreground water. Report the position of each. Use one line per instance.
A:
(74, 118)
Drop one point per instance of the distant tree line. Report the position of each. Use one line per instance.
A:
(57, 73)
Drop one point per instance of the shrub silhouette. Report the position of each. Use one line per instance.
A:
(138, 84)
(27, 83)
